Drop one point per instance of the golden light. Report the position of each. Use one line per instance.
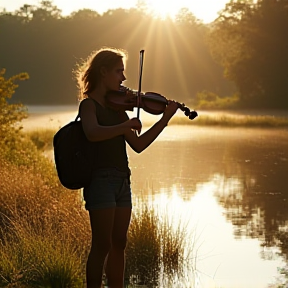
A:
(205, 10)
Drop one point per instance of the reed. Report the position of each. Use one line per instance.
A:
(159, 252)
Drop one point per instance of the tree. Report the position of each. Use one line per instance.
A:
(249, 40)
(185, 16)
(84, 15)
(46, 11)
(26, 12)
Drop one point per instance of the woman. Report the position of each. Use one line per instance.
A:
(108, 197)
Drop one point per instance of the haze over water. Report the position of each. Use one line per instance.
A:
(230, 186)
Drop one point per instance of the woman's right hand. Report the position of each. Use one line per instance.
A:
(134, 124)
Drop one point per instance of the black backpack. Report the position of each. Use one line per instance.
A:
(73, 155)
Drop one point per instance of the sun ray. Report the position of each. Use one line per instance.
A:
(130, 39)
(175, 54)
(153, 38)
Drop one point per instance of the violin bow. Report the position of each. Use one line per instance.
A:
(140, 83)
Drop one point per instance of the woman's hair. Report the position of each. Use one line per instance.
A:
(88, 75)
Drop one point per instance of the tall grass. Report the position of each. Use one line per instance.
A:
(158, 253)
(44, 233)
(31, 259)
(45, 236)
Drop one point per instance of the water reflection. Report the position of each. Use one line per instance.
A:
(220, 259)
(231, 184)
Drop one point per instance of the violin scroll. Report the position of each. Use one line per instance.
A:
(190, 114)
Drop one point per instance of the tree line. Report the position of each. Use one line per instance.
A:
(242, 51)
(250, 41)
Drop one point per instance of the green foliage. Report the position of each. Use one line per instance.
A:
(249, 40)
(12, 143)
(10, 114)
(15, 146)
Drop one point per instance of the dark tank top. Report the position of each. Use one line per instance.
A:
(110, 153)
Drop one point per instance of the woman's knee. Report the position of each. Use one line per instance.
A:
(101, 245)
(119, 243)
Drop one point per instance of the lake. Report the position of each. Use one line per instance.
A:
(229, 184)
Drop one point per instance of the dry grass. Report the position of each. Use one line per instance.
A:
(45, 236)
(42, 138)
(44, 233)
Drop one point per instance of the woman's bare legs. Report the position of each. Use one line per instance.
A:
(102, 222)
(109, 235)
(116, 258)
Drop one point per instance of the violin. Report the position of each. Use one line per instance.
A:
(150, 102)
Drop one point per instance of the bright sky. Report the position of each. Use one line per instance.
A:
(205, 10)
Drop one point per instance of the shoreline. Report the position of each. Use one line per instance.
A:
(54, 117)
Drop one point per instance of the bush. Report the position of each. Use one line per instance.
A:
(210, 100)
(10, 114)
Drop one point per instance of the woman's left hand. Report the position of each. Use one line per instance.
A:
(170, 110)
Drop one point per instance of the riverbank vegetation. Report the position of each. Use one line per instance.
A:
(45, 235)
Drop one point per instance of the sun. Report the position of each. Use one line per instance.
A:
(163, 9)
(205, 10)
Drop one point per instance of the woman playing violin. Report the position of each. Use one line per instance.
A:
(108, 197)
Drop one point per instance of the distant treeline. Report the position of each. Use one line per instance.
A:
(244, 50)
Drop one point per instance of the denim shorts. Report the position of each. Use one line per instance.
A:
(108, 188)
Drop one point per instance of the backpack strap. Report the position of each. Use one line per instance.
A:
(78, 115)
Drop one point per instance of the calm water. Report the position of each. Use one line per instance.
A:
(229, 184)
(232, 186)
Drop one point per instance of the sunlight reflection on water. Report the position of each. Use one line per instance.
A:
(49, 116)
(221, 260)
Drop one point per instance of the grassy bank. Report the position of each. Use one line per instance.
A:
(45, 233)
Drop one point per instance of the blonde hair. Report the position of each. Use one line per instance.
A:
(88, 74)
